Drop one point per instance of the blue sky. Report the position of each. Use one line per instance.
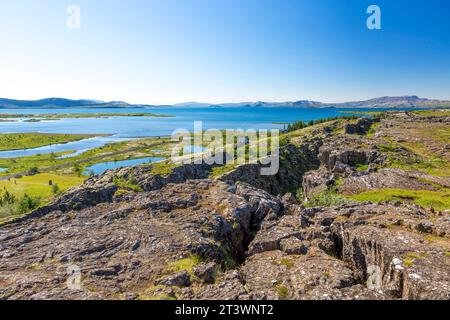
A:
(169, 51)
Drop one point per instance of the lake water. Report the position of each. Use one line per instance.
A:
(99, 168)
(125, 128)
(213, 117)
(3, 170)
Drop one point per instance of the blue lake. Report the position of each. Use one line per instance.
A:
(99, 168)
(212, 117)
(3, 170)
(126, 128)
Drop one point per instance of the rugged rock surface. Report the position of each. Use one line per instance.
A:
(132, 243)
(361, 126)
(391, 178)
(295, 161)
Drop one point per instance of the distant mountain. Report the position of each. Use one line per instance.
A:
(193, 104)
(382, 102)
(394, 102)
(300, 103)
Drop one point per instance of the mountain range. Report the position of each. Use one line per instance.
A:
(382, 102)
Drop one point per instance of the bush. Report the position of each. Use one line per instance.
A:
(11, 205)
(27, 204)
(327, 198)
(77, 169)
(55, 189)
(33, 171)
(7, 198)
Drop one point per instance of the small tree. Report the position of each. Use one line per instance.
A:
(7, 198)
(77, 169)
(27, 204)
(33, 171)
(55, 189)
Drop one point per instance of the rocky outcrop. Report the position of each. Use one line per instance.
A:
(348, 243)
(114, 244)
(358, 182)
(344, 152)
(361, 126)
(294, 162)
(101, 189)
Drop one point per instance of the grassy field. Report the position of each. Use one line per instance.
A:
(19, 196)
(38, 185)
(434, 113)
(133, 149)
(35, 180)
(426, 145)
(439, 200)
(19, 141)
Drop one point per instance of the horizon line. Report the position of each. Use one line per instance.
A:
(231, 102)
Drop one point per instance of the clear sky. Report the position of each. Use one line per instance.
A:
(169, 51)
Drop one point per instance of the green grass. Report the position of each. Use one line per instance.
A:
(56, 116)
(151, 294)
(287, 262)
(297, 125)
(415, 255)
(187, 264)
(433, 113)
(364, 113)
(38, 185)
(373, 129)
(19, 141)
(221, 170)
(111, 152)
(129, 184)
(439, 200)
(163, 168)
(328, 198)
(410, 257)
(362, 167)
(31, 192)
(282, 291)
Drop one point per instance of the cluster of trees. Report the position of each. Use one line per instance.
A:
(301, 124)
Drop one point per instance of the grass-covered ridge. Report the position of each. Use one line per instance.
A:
(439, 200)
(58, 116)
(51, 162)
(19, 141)
(21, 195)
(421, 147)
(41, 177)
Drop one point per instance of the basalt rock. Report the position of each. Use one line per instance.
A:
(391, 178)
(294, 162)
(129, 247)
(361, 126)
